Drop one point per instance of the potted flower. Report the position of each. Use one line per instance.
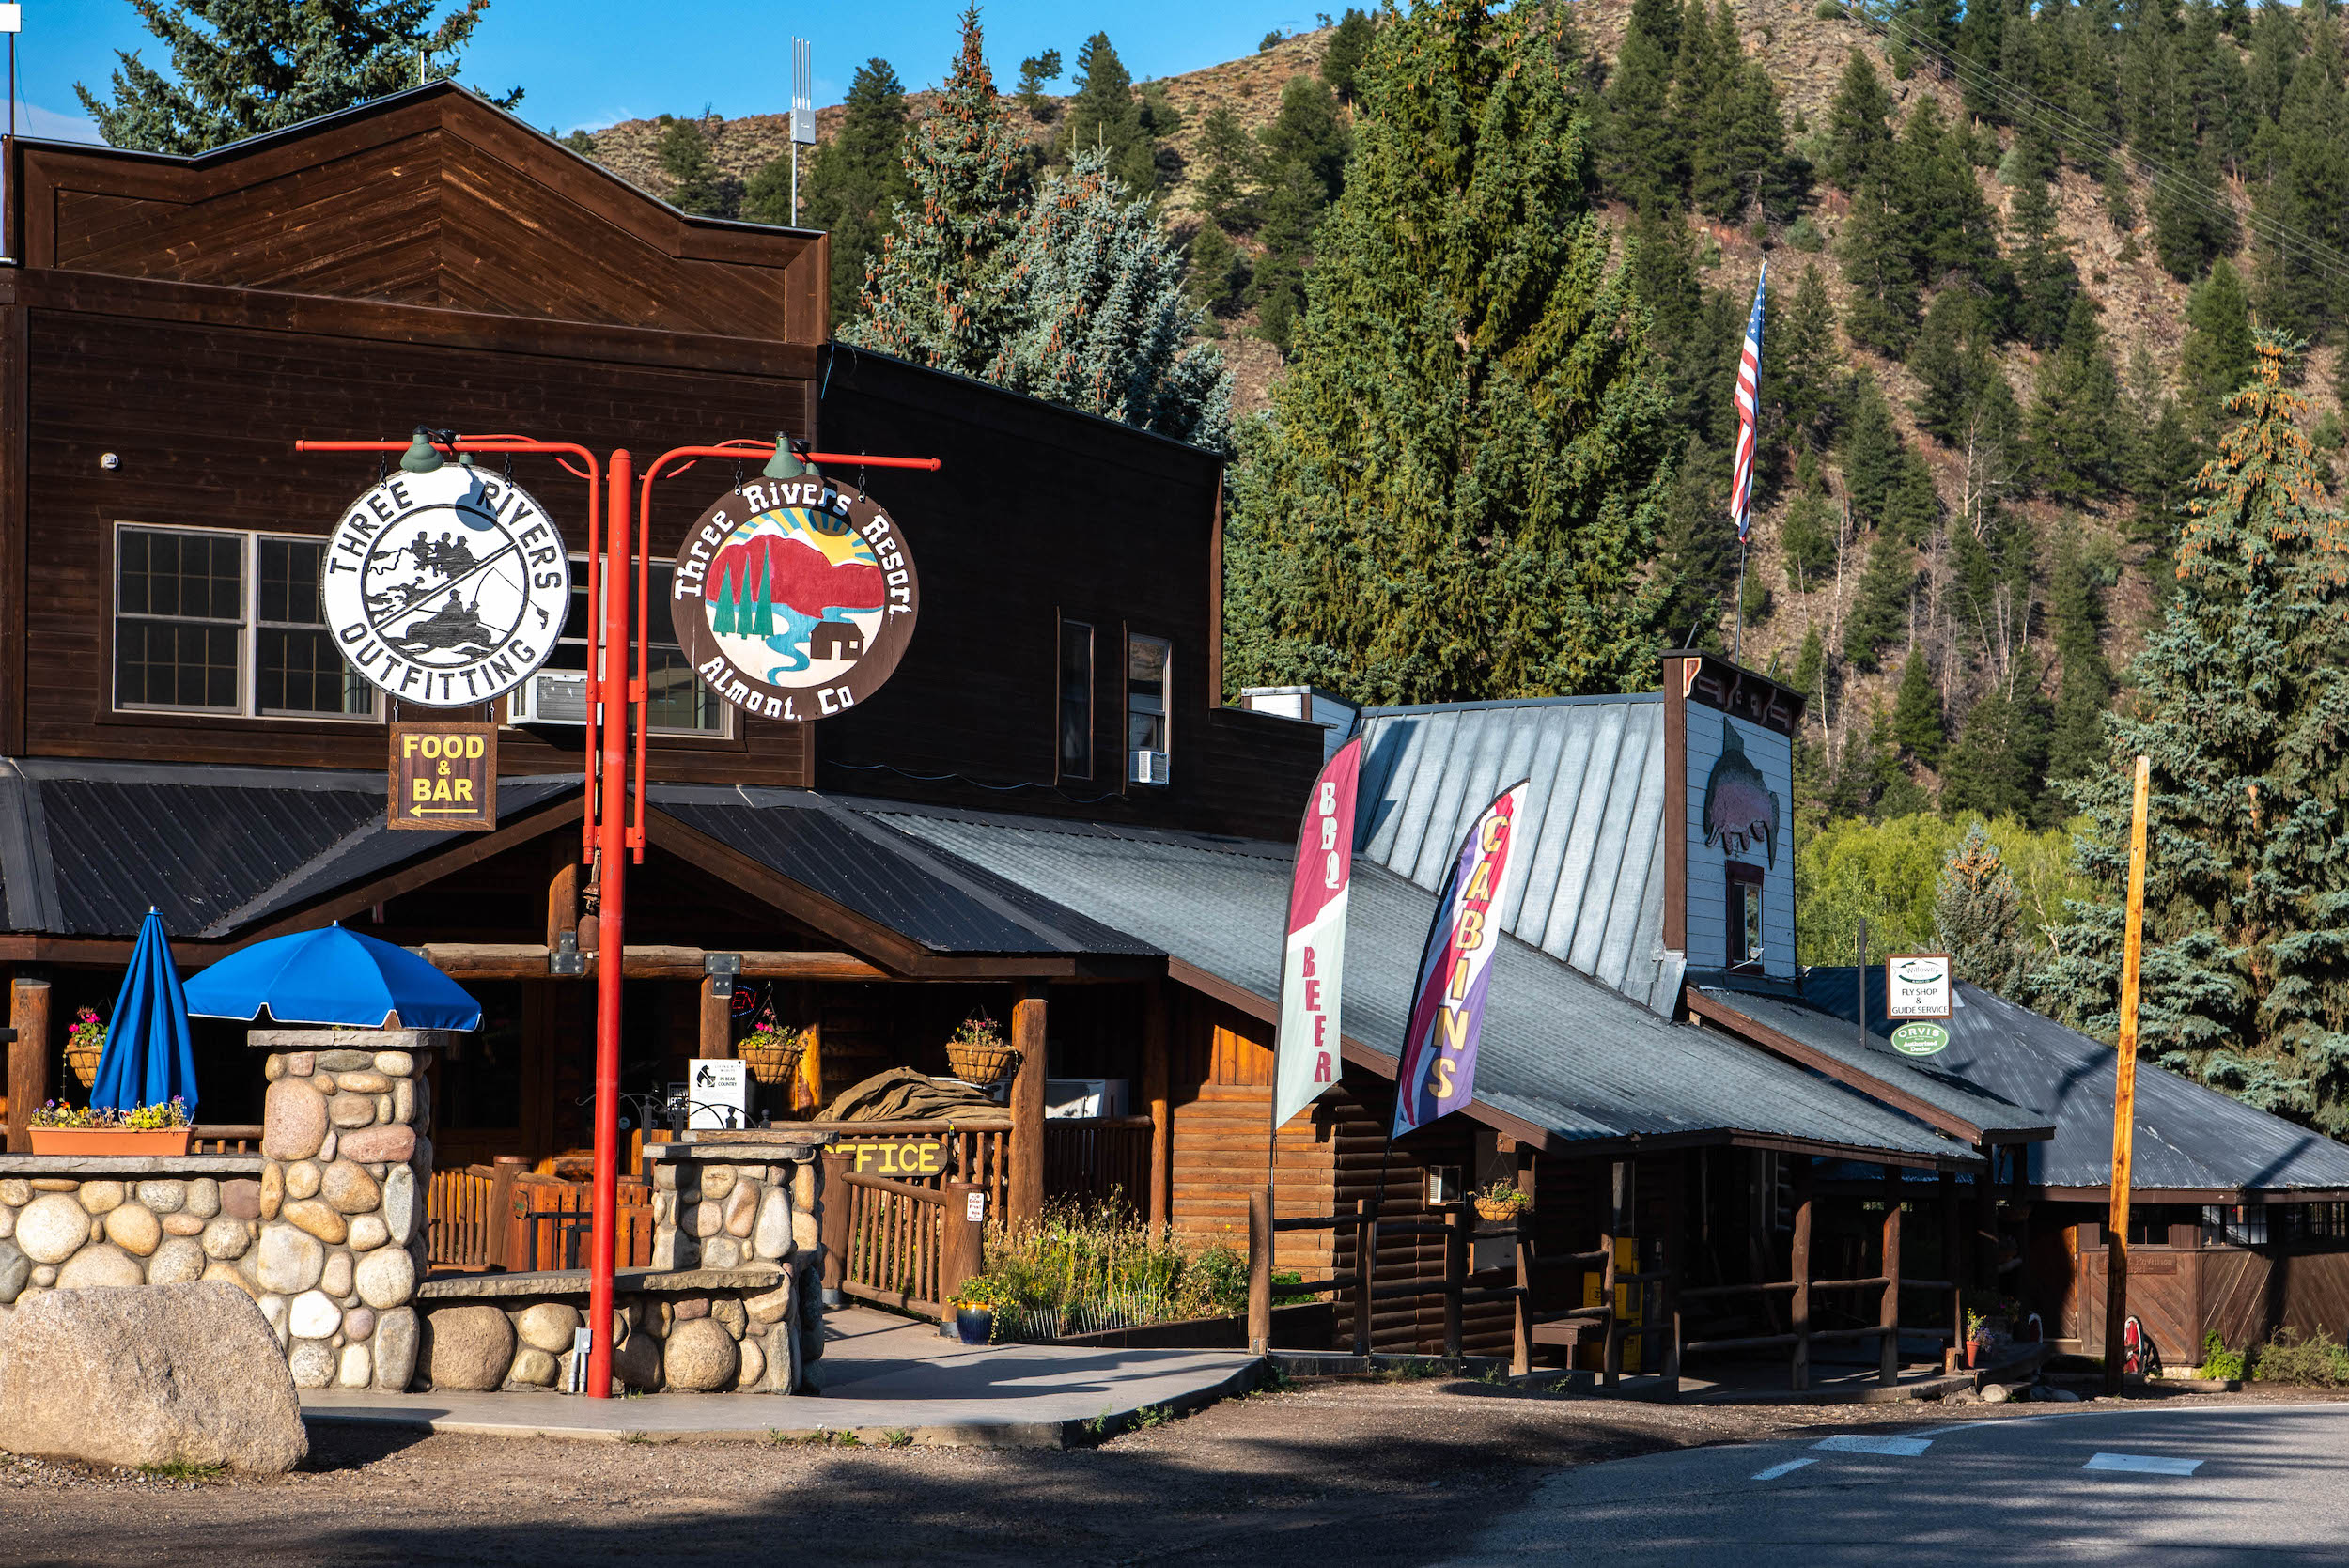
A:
(771, 1052)
(978, 1053)
(84, 1043)
(1977, 1339)
(974, 1305)
(152, 1129)
(1502, 1202)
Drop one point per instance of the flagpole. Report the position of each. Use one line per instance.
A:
(1738, 637)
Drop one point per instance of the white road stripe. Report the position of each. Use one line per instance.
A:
(2144, 1463)
(1777, 1470)
(1852, 1442)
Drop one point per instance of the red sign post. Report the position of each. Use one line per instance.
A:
(610, 836)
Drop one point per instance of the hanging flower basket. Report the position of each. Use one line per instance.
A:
(978, 1053)
(1502, 1202)
(772, 1055)
(84, 1043)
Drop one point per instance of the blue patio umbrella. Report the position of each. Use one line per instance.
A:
(147, 1059)
(333, 977)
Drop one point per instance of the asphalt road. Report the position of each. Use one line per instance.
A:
(2221, 1484)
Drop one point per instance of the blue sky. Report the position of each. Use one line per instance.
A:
(590, 62)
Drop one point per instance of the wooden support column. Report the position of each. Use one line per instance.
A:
(833, 1225)
(1154, 1089)
(1521, 1313)
(28, 1058)
(1888, 1344)
(1026, 1198)
(564, 874)
(1610, 1358)
(1953, 1262)
(1365, 1272)
(716, 1038)
(1799, 1309)
(1259, 1270)
(1669, 1244)
(1455, 1218)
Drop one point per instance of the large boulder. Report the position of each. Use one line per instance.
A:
(167, 1374)
(700, 1355)
(467, 1348)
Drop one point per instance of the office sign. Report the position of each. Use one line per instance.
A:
(444, 777)
(794, 598)
(446, 588)
(1917, 985)
(908, 1160)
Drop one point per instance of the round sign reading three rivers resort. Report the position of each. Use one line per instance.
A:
(794, 597)
(445, 588)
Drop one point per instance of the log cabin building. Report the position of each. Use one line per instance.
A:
(175, 730)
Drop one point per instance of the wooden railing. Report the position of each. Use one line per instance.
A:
(225, 1138)
(1097, 1158)
(900, 1244)
(502, 1217)
(1459, 1288)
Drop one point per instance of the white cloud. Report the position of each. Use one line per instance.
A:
(34, 120)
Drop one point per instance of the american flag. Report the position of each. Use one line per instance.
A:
(1748, 411)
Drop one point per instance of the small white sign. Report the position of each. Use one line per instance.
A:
(974, 1207)
(1917, 985)
(719, 1093)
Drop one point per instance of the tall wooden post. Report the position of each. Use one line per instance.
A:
(1888, 1344)
(1454, 1271)
(28, 1058)
(1365, 1272)
(1259, 1270)
(1521, 1313)
(834, 1227)
(962, 1245)
(563, 883)
(1154, 1089)
(1610, 1357)
(2125, 1093)
(716, 1038)
(1668, 1247)
(1026, 1198)
(1798, 1254)
(1953, 1260)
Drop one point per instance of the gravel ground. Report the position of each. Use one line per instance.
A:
(1330, 1472)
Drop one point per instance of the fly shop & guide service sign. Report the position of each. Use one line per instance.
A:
(445, 588)
(794, 598)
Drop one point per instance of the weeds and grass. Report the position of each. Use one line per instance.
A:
(846, 1441)
(896, 1437)
(1412, 1371)
(2218, 1361)
(181, 1469)
(635, 1437)
(1099, 1425)
(1495, 1375)
(1152, 1415)
(1277, 1380)
(2314, 1361)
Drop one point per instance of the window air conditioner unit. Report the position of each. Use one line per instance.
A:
(1149, 768)
(552, 697)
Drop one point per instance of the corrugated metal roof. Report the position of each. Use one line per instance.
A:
(1924, 1078)
(1559, 1049)
(1593, 894)
(87, 846)
(945, 906)
(2188, 1136)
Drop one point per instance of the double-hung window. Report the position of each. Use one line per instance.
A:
(1076, 700)
(213, 621)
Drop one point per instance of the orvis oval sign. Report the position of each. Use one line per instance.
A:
(795, 599)
(445, 588)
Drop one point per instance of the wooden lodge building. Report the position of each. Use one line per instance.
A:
(1690, 1112)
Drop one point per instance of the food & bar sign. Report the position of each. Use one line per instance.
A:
(445, 776)
(794, 597)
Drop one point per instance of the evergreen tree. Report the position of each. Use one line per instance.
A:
(854, 183)
(2075, 416)
(240, 68)
(1736, 140)
(2240, 700)
(1460, 476)
(1229, 158)
(1696, 552)
(2045, 282)
(1879, 268)
(1879, 611)
(1303, 161)
(727, 619)
(2076, 614)
(696, 183)
(1217, 271)
(1917, 712)
(1641, 150)
(1810, 381)
(1807, 540)
(1104, 321)
(1106, 115)
(1994, 767)
(2217, 359)
(1342, 60)
(1954, 365)
(762, 607)
(1858, 136)
(1036, 73)
(1978, 917)
(937, 294)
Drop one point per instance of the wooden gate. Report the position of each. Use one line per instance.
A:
(503, 1218)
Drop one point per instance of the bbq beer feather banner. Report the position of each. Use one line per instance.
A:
(1314, 964)
(1438, 1070)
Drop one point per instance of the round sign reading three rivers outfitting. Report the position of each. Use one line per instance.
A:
(794, 597)
(445, 588)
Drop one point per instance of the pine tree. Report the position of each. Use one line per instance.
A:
(937, 294)
(2075, 415)
(1342, 62)
(1954, 365)
(1036, 73)
(1857, 137)
(1807, 540)
(1917, 712)
(1879, 611)
(1104, 321)
(1217, 271)
(2217, 359)
(1996, 766)
(1878, 265)
(1810, 381)
(1696, 552)
(1641, 150)
(1736, 142)
(2046, 281)
(853, 185)
(1978, 917)
(2075, 614)
(1228, 155)
(2240, 701)
(761, 607)
(697, 185)
(1106, 115)
(240, 68)
(1461, 474)
(729, 609)
(1302, 166)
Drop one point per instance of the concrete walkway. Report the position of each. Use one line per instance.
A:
(882, 1379)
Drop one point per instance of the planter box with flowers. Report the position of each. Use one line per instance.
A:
(104, 1133)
